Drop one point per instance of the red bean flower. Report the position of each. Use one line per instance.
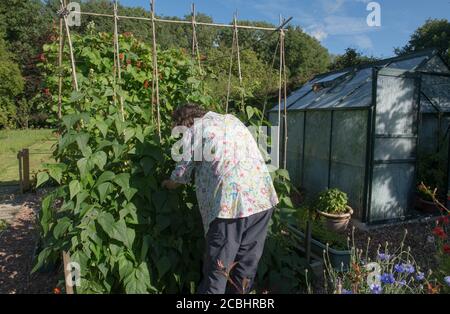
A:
(121, 56)
(439, 232)
(444, 220)
(446, 248)
(57, 290)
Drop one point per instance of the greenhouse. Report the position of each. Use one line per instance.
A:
(362, 129)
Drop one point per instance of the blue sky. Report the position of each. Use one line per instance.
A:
(338, 24)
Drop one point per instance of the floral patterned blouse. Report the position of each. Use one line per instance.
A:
(231, 177)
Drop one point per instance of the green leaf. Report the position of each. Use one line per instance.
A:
(80, 199)
(139, 135)
(83, 166)
(61, 227)
(147, 164)
(159, 199)
(99, 158)
(74, 188)
(120, 125)
(105, 177)
(129, 193)
(123, 180)
(116, 229)
(102, 126)
(250, 112)
(76, 96)
(128, 134)
(56, 171)
(82, 141)
(104, 189)
(125, 267)
(42, 258)
(163, 265)
(42, 177)
(146, 241)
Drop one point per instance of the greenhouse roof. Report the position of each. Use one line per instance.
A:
(351, 87)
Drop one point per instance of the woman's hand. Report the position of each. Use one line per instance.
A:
(169, 184)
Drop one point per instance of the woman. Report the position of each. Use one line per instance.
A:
(235, 194)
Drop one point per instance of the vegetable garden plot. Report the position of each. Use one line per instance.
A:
(109, 213)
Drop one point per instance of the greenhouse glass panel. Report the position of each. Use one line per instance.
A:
(317, 145)
(361, 97)
(428, 133)
(395, 110)
(435, 64)
(331, 77)
(335, 95)
(408, 64)
(426, 105)
(304, 102)
(295, 145)
(395, 150)
(437, 89)
(391, 191)
(348, 156)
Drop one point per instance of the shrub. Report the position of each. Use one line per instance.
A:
(332, 201)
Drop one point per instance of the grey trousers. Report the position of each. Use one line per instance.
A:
(233, 250)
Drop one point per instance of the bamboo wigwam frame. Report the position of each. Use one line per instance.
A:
(64, 28)
(64, 35)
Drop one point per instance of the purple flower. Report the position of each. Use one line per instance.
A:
(387, 278)
(345, 291)
(384, 257)
(401, 283)
(376, 289)
(408, 268)
(398, 268)
(447, 280)
(420, 276)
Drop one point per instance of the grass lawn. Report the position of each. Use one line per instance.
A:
(39, 142)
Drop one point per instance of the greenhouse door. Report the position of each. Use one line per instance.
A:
(395, 143)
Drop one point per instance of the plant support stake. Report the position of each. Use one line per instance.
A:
(117, 63)
(155, 90)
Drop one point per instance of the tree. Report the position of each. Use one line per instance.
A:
(11, 85)
(435, 33)
(305, 56)
(350, 58)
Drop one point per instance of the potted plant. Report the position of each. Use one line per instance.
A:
(431, 173)
(332, 204)
(424, 200)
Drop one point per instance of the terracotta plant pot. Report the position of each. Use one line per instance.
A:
(337, 222)
(426, 206)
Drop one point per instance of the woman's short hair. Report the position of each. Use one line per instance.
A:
(186, 114)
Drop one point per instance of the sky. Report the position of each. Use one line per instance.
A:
(338, 24)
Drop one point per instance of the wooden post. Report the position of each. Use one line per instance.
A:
(72, 58)
(26, 169)
(60, 59)
(19, 158)
(117, 56)
(67, 273)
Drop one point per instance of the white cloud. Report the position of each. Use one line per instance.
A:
(363, 42)
(319, 34)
